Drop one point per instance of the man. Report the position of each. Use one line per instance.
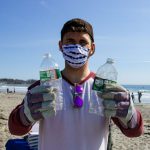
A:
(82, 123)
(132, 96)
(139, 96)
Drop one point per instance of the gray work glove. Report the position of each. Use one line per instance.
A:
(117, 103)
(40, 103)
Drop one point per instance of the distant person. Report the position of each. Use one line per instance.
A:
(14, 90)
(132, 96)
(139, 96)
(7, 90)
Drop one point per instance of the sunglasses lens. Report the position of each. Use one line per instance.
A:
(78, 89)
(78, 102)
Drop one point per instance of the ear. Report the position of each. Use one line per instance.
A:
(60, 45)
(92, 50)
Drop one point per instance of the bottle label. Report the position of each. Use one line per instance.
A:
(99, 84)
(50, 74)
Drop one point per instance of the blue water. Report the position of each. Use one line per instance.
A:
(18, 88)
(145, 89)
(135, 88)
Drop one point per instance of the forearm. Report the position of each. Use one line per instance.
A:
(15, 124)
(135, 127)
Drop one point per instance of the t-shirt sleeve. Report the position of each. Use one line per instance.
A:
(14, 123)
(131, 132)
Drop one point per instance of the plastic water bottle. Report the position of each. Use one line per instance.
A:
(50, 75)
(106, 74)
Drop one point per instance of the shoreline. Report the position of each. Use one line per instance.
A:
(120, 142)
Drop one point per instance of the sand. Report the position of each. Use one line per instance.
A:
(7, 104)
(120, 142)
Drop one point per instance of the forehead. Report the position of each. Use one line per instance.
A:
(77, 35)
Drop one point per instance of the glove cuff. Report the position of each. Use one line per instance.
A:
(26, 111)
(131, 120)
(24, 120)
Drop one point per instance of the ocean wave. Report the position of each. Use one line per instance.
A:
(13, 88)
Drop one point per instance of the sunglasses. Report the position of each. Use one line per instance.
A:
(78, 101)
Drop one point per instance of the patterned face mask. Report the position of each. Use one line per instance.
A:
(75, 55)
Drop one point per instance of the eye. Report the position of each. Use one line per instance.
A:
(83, 43)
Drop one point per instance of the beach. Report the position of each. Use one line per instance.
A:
(7, 104)
(120, 142)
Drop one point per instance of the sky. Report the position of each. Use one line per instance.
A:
(31, 28)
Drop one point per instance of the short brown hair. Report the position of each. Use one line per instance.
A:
(77, 25)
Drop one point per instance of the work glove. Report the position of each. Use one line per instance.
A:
(117, 103)
(39, 103)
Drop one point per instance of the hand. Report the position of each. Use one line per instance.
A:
(39, 103)
(117, 103)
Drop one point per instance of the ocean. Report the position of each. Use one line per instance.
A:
(18, 88)
(145, 89)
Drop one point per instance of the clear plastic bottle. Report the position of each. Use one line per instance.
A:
(106, 73)
(50, 75)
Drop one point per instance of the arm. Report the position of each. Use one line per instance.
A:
(19, 125)
(39, 103)
(16, 127)
(119, 106)
(131, 132)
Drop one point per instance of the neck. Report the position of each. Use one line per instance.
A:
(76, 75)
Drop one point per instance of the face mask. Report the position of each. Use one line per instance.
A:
(75, 55)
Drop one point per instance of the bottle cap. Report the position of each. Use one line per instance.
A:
(47, 55)
(110, 60)
(56, 65)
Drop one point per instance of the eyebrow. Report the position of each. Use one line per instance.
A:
(69, 40)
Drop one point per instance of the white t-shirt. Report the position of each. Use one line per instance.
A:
(76, 128)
